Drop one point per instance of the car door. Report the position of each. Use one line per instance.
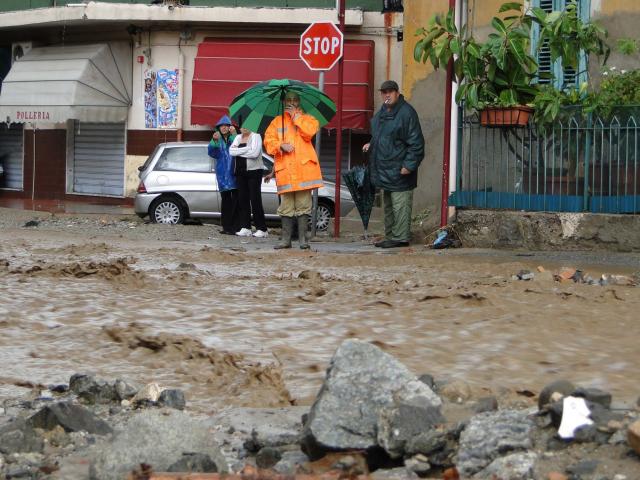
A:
(270, 201)
(188, 170)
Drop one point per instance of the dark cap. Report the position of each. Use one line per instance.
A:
(389, 85)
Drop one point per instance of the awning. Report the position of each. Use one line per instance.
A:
(226, 67)
(90, 83)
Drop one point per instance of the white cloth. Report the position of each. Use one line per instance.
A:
(252, 152)
(575, 414)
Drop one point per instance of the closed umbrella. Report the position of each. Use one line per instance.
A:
(264, 101)
(362, 191)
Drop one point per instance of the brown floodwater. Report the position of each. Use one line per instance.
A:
(258, 328)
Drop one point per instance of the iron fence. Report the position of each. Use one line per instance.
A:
(583, 162)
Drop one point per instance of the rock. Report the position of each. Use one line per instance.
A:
(586, 434)
(562, 387)
(149, 393)
(73, 418)
(194, 462)
(486, 404)
(618, 438)
(557, 476)
(633, 436)
(158, 438)
(585, 467)
(418, 464)
(290, 461)
(172, 398)
(456, 391)
(59, 388)
(430, 382)
(516, 466)
(490, 435)
(19, 436)
(399, 473)
(361, 382)
(267, 457)
(264, 427)
(594, 395)
(125, 390)
(398, 425)
(426, 443)
(91, 390)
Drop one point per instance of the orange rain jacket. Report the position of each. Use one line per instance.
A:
(300, 169)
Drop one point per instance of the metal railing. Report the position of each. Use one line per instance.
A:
(583, 162)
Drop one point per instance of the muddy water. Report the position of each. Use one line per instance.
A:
(257, 328)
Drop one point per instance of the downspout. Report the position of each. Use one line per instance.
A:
(446, 153)
(180, 92)
(453, 144)
(33, 169)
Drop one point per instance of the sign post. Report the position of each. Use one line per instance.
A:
(321, 46)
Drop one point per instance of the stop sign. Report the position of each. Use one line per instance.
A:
(321, 46)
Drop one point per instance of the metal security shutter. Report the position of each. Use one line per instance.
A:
(98, 161)
(11, 156)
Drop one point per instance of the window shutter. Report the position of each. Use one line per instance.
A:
(567, 77)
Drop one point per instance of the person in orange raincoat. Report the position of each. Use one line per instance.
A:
(296, 167)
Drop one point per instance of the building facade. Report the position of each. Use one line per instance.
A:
(89, 89)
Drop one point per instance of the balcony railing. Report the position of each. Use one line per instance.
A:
(582, 163)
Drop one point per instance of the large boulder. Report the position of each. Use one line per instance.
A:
(160, 439)
(71, 417)
(491, 435)
(364, 387)
(19, 436)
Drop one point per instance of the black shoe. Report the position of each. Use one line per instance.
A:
(225, 232)
(380, 243)
(394, 244)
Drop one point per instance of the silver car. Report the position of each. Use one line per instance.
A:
(178, 181)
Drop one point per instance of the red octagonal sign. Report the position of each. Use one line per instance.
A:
(321, 46)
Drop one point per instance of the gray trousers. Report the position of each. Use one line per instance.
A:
(397, 215)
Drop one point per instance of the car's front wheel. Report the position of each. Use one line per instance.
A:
(167, 210)
(323, 216)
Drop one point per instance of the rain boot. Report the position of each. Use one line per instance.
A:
(303, 225)
(287, 228)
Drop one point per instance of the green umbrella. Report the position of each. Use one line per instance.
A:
(260, 104)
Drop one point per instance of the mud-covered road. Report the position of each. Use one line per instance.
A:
(233, 322)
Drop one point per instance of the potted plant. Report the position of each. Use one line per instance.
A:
(495, 77)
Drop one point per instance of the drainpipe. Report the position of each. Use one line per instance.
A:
(446, 153)
(180, 93)
(33, 169)
(453, 159)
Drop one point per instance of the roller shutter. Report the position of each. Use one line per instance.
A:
(11, 157)
(98, 158)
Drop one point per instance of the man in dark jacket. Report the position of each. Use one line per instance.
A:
(395, 151)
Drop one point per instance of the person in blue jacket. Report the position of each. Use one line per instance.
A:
(219, 150)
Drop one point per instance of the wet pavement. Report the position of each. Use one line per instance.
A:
(234, 322)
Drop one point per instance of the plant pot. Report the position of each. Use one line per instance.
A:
(505, 116)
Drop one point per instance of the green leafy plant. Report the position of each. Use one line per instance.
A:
(628, 46)
(618, 88)
(497, 72)
(567, 36)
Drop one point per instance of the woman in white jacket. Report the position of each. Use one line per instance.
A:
(247, 150)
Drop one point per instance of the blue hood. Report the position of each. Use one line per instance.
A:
(224, 120)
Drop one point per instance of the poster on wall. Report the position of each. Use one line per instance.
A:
(150, 103)
(161, 98)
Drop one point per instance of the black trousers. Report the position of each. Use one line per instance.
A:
(229, 211)
(250, 199)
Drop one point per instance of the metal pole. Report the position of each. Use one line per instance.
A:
(446, 153)
(314, 213)
(336, 224)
